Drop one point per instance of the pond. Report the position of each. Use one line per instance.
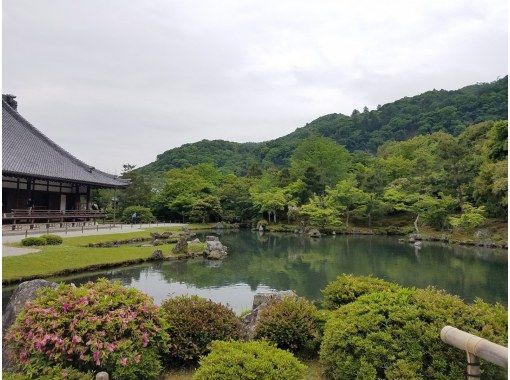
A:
(259, 263)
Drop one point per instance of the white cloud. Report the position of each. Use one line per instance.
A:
(122, 81)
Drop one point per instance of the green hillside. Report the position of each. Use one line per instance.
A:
(432, 111)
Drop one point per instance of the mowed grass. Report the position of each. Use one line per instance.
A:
(73, 255)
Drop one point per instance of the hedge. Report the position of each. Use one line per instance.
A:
(395, 335)
(249, 360)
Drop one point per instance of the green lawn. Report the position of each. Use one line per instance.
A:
(74, 255)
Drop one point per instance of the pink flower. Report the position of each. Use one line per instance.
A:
(111, 347)
(123, 361)
(76, 339)
(137, 359)
(95, 355)
(145, 339)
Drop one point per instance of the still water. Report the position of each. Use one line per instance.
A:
(258, 263)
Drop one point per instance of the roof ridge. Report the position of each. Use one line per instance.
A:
(41, 135)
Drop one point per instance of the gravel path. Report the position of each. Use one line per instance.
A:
(126, 228)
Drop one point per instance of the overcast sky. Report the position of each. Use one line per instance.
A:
(121, 81)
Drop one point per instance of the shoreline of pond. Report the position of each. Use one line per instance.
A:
(391, 231)
(272, 230)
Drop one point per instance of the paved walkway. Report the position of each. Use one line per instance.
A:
(102, 230)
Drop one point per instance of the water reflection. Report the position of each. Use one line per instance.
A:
(273, 261)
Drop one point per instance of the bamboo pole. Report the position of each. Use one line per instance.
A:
(475, 346)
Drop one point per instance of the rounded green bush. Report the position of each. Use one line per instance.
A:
(52, 239)
(292, 324)
(143, 214)
(396, 335)
(30, 241)
(99, 326)
(347, 288)
(249, 360)
(194, 322)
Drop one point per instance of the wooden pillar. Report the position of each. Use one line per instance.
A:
(30, 190)
(473, 367)
(48, 195)
(87, 207)
(77, 200)
(17, 193)
(88, 197)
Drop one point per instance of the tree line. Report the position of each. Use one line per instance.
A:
(437, 179)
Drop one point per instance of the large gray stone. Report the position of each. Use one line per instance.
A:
(314, 232)
(158, 255)
(25, 292)
(260, 302)
(181, 248)
(214, 250)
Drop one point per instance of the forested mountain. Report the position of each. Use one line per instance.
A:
(432, 111)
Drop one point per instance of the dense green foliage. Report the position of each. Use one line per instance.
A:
(436, 180)
(51, 373)
(432, 111)
(292, 324)
(52, 239)
(420, 159)
(193, 323)
(249, 360)
(29, 241)
(143, 215)
(97, 326)
(395, 335)
(348, 288)
(374, 330)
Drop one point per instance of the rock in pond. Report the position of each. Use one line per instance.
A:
(181, 248)
(161, 236)
(158, 255)
(214, 249)
(314, 232)
(260, 302)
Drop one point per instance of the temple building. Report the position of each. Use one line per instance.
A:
(41, 182)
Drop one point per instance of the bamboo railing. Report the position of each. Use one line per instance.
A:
(475, 348)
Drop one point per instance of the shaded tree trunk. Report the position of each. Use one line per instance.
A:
(416, 223)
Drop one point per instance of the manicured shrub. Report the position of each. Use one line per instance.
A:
(143, 214)
(50, 373)
(249, 360)
(395, 335)
(194, 322)
(52, 239)
(292, 324)
(347, 288)
(30, 241)
(99, 326)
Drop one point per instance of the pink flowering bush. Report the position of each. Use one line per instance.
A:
(99, 326)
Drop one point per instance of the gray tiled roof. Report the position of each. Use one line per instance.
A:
(27, 152)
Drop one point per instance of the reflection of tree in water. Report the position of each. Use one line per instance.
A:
(308, 265)
(286, 261)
